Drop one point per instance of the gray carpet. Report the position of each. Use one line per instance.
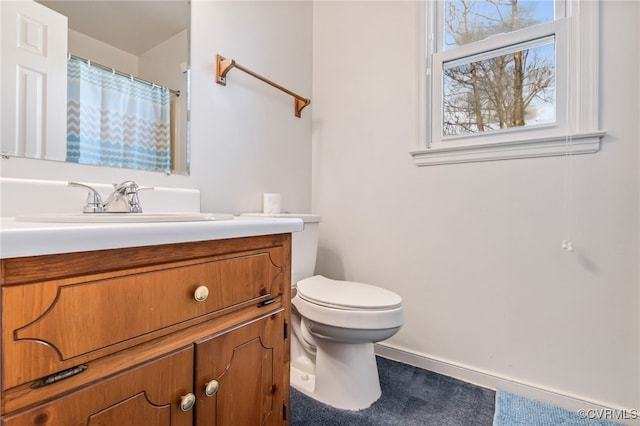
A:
(410, 396)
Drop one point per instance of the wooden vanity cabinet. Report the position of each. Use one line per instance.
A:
(124, 325)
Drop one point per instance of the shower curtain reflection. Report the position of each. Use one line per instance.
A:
(116, 121)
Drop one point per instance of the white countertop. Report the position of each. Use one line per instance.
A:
(19, 239)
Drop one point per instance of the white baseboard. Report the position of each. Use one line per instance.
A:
(493, 381)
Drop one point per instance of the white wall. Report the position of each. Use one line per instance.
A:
(90, 48)
(249, 141)
(475, 249)
(163, 64)
(245, 138)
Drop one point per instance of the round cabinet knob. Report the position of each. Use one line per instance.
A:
(187, 401)
(201, 293)
(211, 388)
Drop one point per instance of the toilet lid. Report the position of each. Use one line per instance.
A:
(346, 294)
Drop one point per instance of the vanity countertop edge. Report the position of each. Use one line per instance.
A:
(22, 239)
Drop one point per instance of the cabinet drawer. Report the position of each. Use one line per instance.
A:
(145, 395)
(48, 325)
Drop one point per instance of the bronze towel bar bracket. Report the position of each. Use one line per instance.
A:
(224, 65)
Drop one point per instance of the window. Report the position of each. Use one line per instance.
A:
(508, 79)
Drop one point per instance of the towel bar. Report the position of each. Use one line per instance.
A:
(224, 65)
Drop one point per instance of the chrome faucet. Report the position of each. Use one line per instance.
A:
(123, 199)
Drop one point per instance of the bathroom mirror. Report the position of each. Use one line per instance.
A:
(144, 43)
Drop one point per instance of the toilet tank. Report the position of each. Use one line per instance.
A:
(304, 244)
(304, 248)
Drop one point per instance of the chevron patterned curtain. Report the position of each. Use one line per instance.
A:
(116, 121)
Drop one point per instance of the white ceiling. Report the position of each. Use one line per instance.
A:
(133, 26)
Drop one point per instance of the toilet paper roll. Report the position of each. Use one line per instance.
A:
(271, 203)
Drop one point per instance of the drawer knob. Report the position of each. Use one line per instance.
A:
(201, 293)
(211, 388)
(187, 402)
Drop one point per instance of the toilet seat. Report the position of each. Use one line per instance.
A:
(374, 309)
(347, 295)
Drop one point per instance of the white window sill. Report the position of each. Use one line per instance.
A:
(583, 143)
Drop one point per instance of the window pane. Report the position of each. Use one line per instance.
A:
(467, 21)
(500, 91)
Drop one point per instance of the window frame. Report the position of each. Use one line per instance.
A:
(575, 130)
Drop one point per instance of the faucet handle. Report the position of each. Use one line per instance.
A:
(94, 200)
(135, 201)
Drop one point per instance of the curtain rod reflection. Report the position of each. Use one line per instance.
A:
(114, 71)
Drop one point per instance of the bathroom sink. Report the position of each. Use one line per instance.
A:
(125, 217)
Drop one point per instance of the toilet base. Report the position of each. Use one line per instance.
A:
(345, 376)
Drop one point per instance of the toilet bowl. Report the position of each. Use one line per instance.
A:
(334, 326)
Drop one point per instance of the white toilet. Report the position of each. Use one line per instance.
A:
(335, 324)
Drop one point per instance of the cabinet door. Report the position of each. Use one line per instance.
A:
(244, 371)
(148, 394)
(34, 75)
